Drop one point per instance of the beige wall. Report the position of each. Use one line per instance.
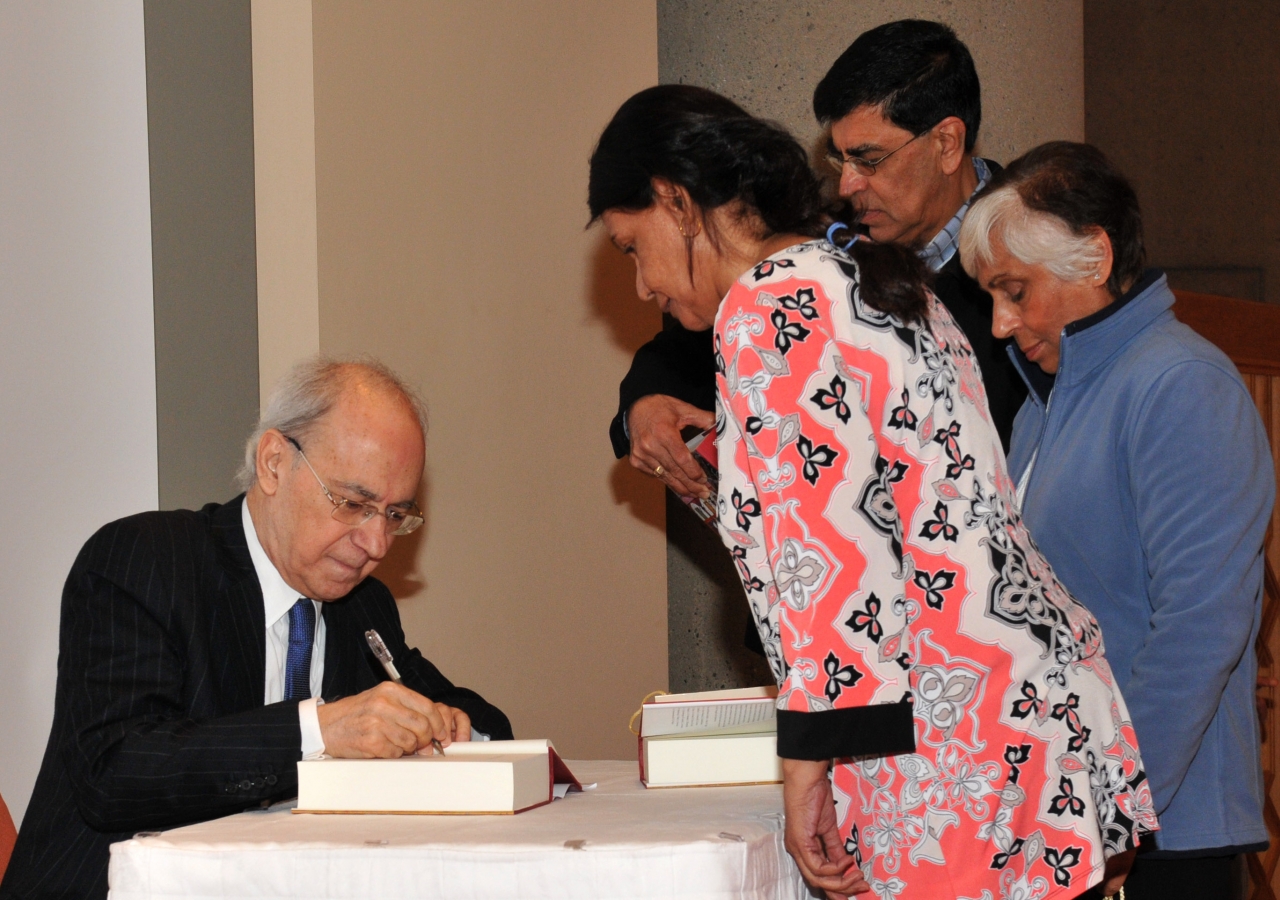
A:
(284, 165)
(451, 149)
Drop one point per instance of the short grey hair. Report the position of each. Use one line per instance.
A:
(306, 394)
(1034, 238)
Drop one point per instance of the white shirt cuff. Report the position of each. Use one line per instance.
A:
(309, 720)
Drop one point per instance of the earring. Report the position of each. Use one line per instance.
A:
(680, 225)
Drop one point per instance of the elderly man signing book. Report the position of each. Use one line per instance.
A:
(198, 649)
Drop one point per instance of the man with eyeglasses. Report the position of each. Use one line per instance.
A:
(903, 104)
(202, 654)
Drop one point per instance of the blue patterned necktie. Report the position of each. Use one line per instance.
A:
(297, 665)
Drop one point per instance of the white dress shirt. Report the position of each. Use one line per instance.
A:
(277, 599)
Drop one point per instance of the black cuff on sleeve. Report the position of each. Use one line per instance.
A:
(618, 436)
(880, 730)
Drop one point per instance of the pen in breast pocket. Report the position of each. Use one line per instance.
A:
(379, 648)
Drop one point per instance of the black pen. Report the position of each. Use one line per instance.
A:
(379, 648)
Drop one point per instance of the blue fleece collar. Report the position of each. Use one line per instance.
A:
(1100, 337)
(1144, 281)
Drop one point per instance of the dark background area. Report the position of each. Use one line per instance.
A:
(1182, 96)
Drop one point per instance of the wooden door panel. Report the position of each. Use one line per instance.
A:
(1249, 333)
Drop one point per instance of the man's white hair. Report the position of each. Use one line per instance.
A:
(306, 394)
(1034, 238)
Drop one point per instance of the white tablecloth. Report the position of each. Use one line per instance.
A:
(617, 841)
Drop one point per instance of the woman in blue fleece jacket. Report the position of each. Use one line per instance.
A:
(1144, 475)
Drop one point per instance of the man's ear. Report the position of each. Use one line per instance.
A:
(272, 456)
(675, 199)
(949, 135)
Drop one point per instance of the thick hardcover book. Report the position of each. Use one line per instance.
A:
(710, 760)
(710, 738)
(471, 778)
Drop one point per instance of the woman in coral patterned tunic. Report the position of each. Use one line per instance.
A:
(937, 682)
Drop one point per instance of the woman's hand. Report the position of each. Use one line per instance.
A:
(654, 423)
(1116, 872)
(812, 834)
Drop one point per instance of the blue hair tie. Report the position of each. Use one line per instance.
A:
(837, 226)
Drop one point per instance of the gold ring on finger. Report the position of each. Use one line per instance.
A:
(657, 473)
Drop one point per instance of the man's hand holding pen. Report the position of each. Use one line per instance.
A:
(388, 721)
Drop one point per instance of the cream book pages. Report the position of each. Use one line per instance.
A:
(681, 761)
(710, 738)
(749, 693)
(495, 777)
(735, 711)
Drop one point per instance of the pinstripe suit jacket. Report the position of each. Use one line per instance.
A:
(158, 718)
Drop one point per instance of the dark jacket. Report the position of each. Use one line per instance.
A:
(677, 363)
(970, 306)
(681, 363)
(158, 717)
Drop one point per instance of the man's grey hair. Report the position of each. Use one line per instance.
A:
(306, 394)
(1034, 238)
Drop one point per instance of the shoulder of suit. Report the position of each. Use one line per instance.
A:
(143, 540)
(151, 525)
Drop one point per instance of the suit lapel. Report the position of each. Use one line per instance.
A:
(349, 665)
(239, 620)
(332, 650)
(342, 647)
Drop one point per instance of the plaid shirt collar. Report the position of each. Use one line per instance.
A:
(938, 252)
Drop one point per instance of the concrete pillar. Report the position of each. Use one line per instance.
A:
(769, 57)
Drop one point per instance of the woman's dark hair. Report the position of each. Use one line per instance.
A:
(917, 70)
(712, 148)
(1077, 184)
(721, 154)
